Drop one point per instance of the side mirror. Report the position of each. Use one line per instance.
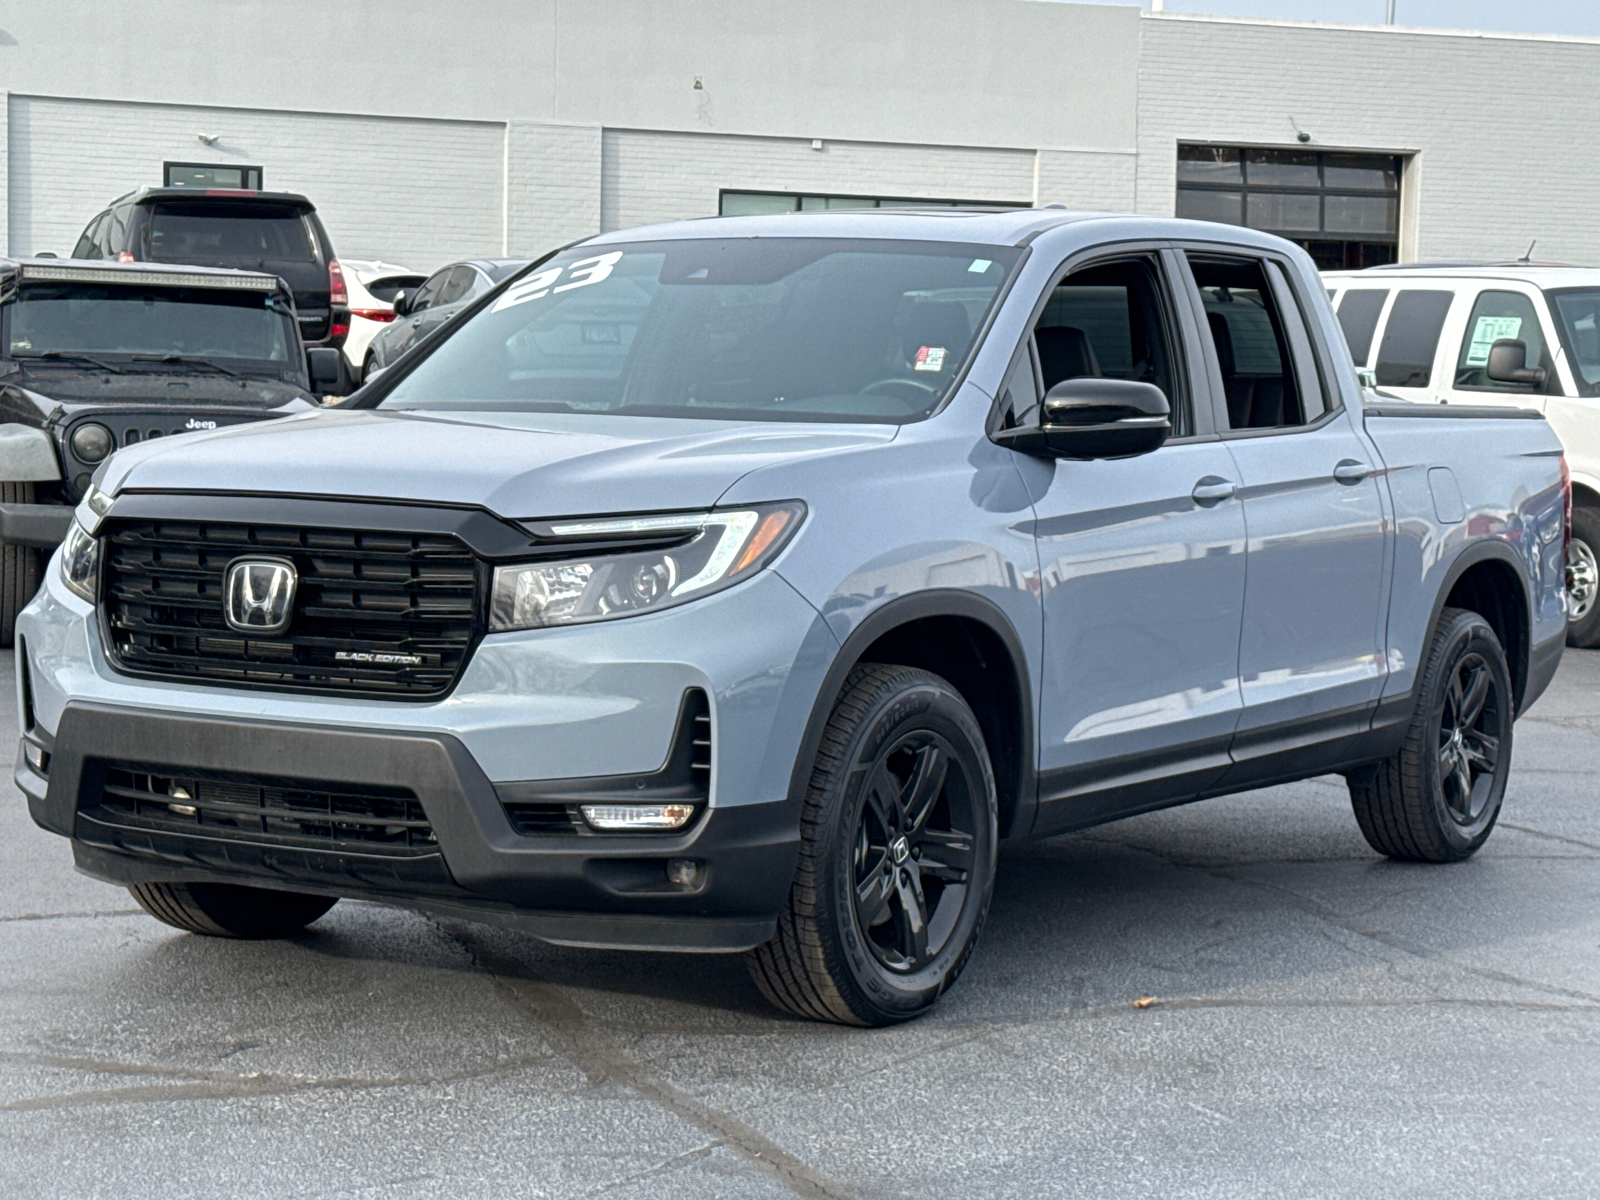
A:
(322, 364)
(1095, 418)
(402, 301)
(1508, 363)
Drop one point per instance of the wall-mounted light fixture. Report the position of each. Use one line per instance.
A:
(208, 139)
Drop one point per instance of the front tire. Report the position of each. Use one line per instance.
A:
(1437, 799)
(230, 910)
(1583, 593)
(19, 569)
(898, 837)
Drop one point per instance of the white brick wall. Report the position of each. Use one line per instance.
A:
(652, 176)
(553, 188)
(1503, 126)
(414, 192)
(1087, 179)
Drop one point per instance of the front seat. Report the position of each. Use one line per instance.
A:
(1065, 353)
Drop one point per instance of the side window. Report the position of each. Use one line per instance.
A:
(1358, 317)
(85, 244)
(89, 245)
(429, 295)
(1500, 316)
(458, 287)
(1267, 370)
(1112, 320)
(1405, 358)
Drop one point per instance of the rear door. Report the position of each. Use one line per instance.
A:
(1311, 659)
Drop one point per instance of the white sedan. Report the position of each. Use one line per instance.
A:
(373, 286)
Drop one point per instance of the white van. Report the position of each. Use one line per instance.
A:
(1426, 332)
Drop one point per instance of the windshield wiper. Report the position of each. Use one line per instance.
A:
(188, 360)
(71, 356)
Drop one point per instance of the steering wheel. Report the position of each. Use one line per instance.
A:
(892, 382)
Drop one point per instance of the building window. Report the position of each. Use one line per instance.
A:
(210, 175)
(755, 204)
(1343, 208)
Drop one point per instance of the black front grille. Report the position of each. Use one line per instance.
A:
(383, 613)
(287, 812)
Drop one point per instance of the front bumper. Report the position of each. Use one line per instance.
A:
(42, 525)
(588, 890)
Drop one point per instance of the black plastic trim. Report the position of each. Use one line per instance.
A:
(42, 525)
(938, 602)
(1460, 412)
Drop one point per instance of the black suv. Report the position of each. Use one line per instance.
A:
(277, 232)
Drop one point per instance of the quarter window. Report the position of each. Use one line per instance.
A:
(1496, 317)
(1411, 338)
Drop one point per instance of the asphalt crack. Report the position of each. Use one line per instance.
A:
(569, 1031)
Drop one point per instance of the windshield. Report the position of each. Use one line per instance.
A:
(800, 329)
(1578, 314)
(247, 330)
(229, 235)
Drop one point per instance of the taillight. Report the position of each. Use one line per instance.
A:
(125, 256)
(338, 293)
(339, 328)
(373, 314)
(1566, 509)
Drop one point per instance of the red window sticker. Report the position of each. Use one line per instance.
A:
(929, 358)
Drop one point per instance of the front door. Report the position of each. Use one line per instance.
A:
(1142, 567)
(1311, 651)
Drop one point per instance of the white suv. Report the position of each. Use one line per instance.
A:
(1427, 333)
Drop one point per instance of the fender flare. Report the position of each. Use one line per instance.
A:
(935, 602)
(27, 455)
(1472, 555)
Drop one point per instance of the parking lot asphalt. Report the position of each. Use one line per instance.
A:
(1327, 1023)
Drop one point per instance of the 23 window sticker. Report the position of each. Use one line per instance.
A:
(580, 274)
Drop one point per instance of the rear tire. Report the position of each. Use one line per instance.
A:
(897, 855)
(1437, 799)
(19, 569)
(1583, 597)
(229, 910)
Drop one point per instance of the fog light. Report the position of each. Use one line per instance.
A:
(638, 816)
(684, 872)
(36, 756)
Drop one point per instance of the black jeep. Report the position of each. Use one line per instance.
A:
(97, 356)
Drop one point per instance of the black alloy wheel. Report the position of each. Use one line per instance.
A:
(913, 850)
(1469, 739)
(1436, 799)
(898, 832)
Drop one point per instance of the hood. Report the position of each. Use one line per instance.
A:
(517, 465)
(65, 385)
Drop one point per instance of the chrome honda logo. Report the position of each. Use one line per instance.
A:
(258, 594)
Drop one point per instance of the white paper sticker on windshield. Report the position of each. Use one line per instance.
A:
(579, 274)
(929, 358)
(1486, 333)
(980, 265)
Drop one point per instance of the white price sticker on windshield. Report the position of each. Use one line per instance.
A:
(542, 283)
(1486, 333)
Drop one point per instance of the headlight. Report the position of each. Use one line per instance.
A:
(91, 442)
(705, 552)
(80, 561)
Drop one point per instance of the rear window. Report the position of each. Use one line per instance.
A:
(389, 286)
(1358, 316)
(232, 235)
(1405, 359)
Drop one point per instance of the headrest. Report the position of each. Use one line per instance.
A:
(937, 324)
(1064, 353)
(1222, 339)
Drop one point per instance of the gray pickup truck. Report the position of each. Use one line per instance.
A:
(740, 585)
(95, 356)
